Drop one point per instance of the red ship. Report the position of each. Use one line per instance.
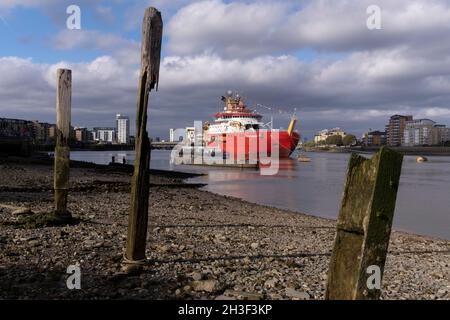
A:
(239, 133)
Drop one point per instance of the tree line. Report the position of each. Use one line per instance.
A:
(336, 140)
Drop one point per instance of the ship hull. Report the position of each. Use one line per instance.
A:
(254, 145)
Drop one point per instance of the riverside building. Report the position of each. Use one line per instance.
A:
(123, 129)
(425, 132)
(395, 129)
(104, 134)
(324, 134)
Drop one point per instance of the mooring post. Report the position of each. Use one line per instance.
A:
(150, 60)
(364, 226)
(62, 150)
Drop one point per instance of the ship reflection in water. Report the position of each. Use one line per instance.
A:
(423, 204)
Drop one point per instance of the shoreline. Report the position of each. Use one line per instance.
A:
(407, 151)
(330, 219)
(179, 174)
(200, 244)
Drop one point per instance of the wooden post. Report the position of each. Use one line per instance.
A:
(364, 225)
(62, 150)
(150, 60)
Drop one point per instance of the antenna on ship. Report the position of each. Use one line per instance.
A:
(227, 99)
(269, 124)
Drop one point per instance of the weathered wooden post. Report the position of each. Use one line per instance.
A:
(150, 60)
(364, 226)
(62, 150)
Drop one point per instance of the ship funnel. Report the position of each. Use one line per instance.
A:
(292, 125)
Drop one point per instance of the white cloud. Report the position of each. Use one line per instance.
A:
(105, 13)
(348, 90)
(434, 113)
(234, 29)
(127, 51)
(102, 86)
(70, 39)
(251, 46)
(270, 27)
(26, 3)
(134, 13)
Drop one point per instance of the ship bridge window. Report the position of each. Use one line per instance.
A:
(251, 126)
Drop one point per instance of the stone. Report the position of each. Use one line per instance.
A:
(90, 243)
(275, 296)
(205, 285)
(223, 297)
(292, 293)
(187, 288)
(270, 283)
(22, 212)
(28, 238)
(243, 295)
(162, 248)
(34, 243)
(441, 292)
(254, 245)
(196, 276)
(132, 269)
(99, 244)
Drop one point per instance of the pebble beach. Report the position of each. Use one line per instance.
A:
(200, 245)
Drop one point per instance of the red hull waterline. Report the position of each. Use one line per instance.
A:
(257, 144)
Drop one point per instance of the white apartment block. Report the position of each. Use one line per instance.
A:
(104, 135)
(123, 129)
(424, 132)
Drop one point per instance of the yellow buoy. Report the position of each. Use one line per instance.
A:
(421, 159)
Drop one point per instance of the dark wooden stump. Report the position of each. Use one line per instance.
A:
(364, 225)
(62, 150)
(150, 61)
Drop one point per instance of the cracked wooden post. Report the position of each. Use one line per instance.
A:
(62, 150)
(364, 226)
(150, 60)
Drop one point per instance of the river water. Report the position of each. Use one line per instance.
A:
(315, 188)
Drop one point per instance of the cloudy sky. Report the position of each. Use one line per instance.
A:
(316, 56)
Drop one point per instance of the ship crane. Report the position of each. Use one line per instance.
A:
(292, 123)
(270, 123)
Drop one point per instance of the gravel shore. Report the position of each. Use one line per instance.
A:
(200, 245)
